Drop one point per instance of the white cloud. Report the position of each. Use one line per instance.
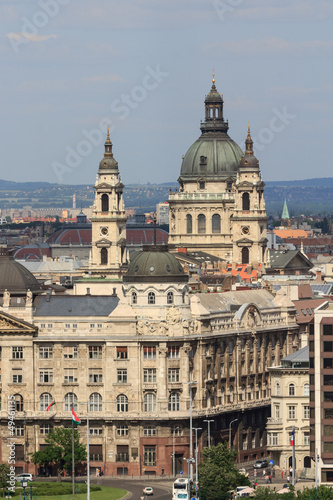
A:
(29, 37)
(103, 78)
(270, 45)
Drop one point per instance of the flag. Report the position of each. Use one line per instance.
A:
(292, 437)
(50, 406)
(75, 418)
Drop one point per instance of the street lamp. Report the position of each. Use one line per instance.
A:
(189, 461)
(196, 429)
(232, 421)
(191, 382)
(208, 423)
(88, 453)
(173, 451)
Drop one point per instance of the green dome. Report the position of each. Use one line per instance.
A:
(212, 156)
(155, 264)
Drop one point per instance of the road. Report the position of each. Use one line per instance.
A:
(161, 491)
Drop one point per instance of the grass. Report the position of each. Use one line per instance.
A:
(105, 493)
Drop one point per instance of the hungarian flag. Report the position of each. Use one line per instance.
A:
(50, 406)
(292, 437)
(75, 418)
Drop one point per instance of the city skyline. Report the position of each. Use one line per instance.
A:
(144, 69)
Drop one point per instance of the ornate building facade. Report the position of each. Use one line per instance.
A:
(219, 208)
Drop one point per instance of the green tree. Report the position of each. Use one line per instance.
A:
(4, 477)
(323, 493)
(218, 473)
(59, 450)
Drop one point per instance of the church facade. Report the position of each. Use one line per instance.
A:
(219, 207)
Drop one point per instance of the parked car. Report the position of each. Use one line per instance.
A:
(260, 464)
(148, 490)
(24, 477)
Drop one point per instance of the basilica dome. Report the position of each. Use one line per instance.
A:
(14, 277)
(214, 154)
(155, 264)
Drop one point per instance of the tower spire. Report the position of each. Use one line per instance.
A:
(249, 142)
(108, 145)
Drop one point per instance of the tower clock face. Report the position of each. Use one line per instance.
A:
(245, 230)
(104, 231)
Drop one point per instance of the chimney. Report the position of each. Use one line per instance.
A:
(114, 293)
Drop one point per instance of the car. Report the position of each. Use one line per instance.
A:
(243, 472)
(24, 477)
(148, 490)
(260, 464)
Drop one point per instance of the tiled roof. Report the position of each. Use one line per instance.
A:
(291, 233)
(300, 356)
(305, 308)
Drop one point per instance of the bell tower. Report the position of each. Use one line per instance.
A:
(249, 220)
(108, 252)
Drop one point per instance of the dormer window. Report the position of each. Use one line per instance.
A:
(203, 160)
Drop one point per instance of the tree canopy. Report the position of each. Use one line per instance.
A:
(219, 474)
(59, 449)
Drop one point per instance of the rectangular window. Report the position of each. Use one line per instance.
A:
(122, 352)
(306, 412)
(275, 439)
(17, 377)
(327, 329)
(149, 352)
(173, 375)
(18, 430)
(45, 376)
(70, 376)
(95, 352)
(99, 325)
(328, 430)
(306, 438)
(122, 376)
(149, 430)
(328, 379)
(95, 431)
(328, 413)
(292, 412)
(149, 455)
(173, 351)
(122, 430)
(327, 363)
(67, 325)
(149, 375)
(46, 352)
(277, 411)
(328, 346)
(44, 429)
(221, 369)
(17, 352)
(70, 352)
(95, 376)
(328, 447)
(328, 397)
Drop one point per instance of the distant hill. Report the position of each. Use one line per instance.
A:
(309, 196)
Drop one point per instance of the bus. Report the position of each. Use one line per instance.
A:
(180, 489)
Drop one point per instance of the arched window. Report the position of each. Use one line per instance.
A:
(170, 298)
(231, 392)
(134, 298)
(246, 201)
(149, 402)
(189, 224)
(122, 403)
(70, 399)
(307, 463)
(277, 389)
(306, 390)
(201, 224)
(216, 223)
(174, 401)
(44, 401)
(104, 256)
(245, 255)
(95, 402)
(291, 390)
(151, 298)
(18, 402)
(105, 203)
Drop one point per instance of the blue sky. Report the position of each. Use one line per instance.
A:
(69, 67)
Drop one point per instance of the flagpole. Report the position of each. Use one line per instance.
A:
(294, 458)
(88, 457)
(73, 460)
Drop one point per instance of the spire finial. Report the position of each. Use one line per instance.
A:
(248, 128)
(248, 142)
(213, 80)
(108, 132)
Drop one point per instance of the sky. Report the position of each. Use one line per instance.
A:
(71, 67)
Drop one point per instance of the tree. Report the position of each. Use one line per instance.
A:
(218, 473)
(4, 477)
(59, 449)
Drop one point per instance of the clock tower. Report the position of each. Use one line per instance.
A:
(108, 252)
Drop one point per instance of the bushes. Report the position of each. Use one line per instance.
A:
(52, 489)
